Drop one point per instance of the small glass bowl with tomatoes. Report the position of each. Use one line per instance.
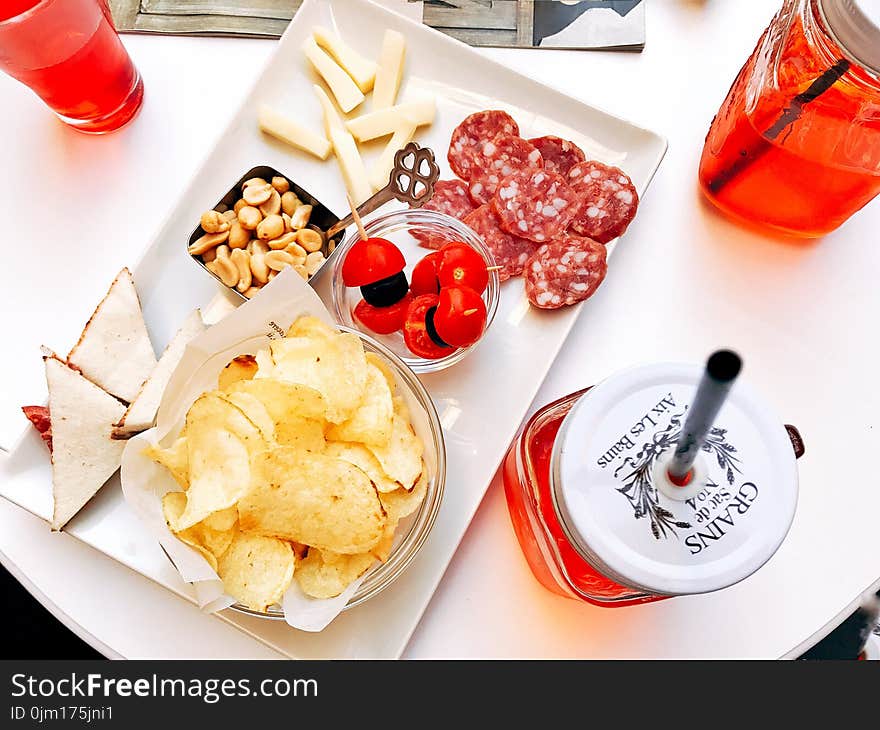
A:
(429, 305)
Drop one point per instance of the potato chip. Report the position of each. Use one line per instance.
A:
(254, 409)
(401, 457)
(364, 460)
(371, 421)
(324, 574)
(256, 570)
(380, 362)
(281, 399)
(314, 499)
(401, 502)
(174, 459)
(173, 505)
(223, 520)
(383, 548)
(305, 434)
(221, 441)
(243, 367)
(334, 366)
(311, 327)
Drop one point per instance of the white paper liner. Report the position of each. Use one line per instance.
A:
(249, 328)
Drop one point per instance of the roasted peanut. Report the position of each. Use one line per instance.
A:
(300, 218)
(226, 270)
(258, 194)
(213, 222)
(280, 184)
(277, 260)
(289, 202)
(249, 217)
(208, 241)
(282, 241)
(287, 226)
(270, 227)
(259, 270)
(238, 236)
(239, 204)
(209, 255)
(242, 261)
(253, 181)
(314, 262)
(298, 253)
(272, 274)
(273, 205)
(250, 293)
(310, 240)
(301, 270)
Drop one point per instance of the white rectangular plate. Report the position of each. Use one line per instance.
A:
(481, 401)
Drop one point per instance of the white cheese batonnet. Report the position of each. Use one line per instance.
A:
(383, 122)
(381, 171)
(293, 133)
(346, 92)
(361, 70)
(332, 119)
(351, 166)
(390, 71)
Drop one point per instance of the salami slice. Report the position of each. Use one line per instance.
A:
(608, 200)
(559, 154)
(450, 197)
(500, 158)
(469, 137)
(565, 272)
(535, 204)
(510, 252)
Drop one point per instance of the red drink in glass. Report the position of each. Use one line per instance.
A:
(69, 54)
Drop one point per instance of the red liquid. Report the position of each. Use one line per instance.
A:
(820, 169)
(553, 560)
(68, 52)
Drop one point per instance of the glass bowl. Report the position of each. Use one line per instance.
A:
(398, 228)
(413, 530)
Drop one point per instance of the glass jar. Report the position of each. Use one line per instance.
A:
(594, 516)
(796, 144)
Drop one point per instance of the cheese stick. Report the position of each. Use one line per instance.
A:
(347, 94)
(293, 133)
(381, 171)
(351, 165)
(362, 71)
(390, 71)
(386, 121)
(332, 120)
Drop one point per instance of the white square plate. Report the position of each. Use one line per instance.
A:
(481, 401)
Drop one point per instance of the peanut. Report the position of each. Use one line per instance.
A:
(270, 227)
(206, 242)
(259, 270)
(257, 194)
(249, 217)
(287, 225)
(314, 261)
(209, 255)
(277, 260)
(301, 270)
(226, 270)
(272, 274)
(280, 184)
(310, 240)
(239, 204)
(273, 205)
(289, 202)
(238, 236)
(242, 261)
(300, 218)
(298, 253)
(253, 291)
(253, 181)
(213, 222)
(282, 241)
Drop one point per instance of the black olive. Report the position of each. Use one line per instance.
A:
(387, 291)
(431, 330)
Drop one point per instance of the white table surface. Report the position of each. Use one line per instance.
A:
(77, 208)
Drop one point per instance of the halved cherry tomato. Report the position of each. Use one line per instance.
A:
(461, 264)
(382, 320)
(415, 329)
(424, 275)
(371, 260)
(460, 317)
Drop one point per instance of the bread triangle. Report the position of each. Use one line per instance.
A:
(114, 350)
(84, 456)
(142, 411)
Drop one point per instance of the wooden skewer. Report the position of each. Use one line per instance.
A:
(494, 268)
(357, 219)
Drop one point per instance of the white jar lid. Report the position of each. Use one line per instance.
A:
(604, 472)
(855, 25)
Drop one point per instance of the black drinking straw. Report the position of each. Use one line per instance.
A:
(788, 117)
(721, 370)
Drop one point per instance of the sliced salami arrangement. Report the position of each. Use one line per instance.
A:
(543, 209)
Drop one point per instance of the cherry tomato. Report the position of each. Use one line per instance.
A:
(371, 260)
(415, 329)
(424, 275)
(461, 264)
(460, 317)
(382, 320)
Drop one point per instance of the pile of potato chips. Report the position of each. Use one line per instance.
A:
(300, 465)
